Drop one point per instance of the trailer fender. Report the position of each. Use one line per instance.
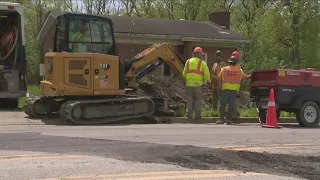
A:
(298, 102)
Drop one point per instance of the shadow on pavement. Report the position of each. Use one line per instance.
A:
(297, 126)
(58, 122)
(11, 110)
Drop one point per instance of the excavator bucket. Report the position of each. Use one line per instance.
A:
(161, 106)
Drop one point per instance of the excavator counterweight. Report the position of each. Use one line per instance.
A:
(86, 83)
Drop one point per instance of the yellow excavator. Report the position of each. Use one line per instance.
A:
(86, 82)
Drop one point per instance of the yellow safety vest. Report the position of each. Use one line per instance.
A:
(195, 71)
(75, 38)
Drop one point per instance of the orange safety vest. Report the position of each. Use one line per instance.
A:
(215, 72)
(195, 71)
(231, 78)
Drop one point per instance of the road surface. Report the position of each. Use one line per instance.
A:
(31, 149)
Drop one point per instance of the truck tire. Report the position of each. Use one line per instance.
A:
(309, 114)
(263, 115)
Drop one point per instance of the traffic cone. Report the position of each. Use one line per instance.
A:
(271, 120)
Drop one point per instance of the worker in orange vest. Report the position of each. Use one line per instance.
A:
(236, 113)
(229, 84)
(214, 80)
(195, 72)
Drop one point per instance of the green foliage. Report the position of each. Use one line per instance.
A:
(248, 112)
(282, 33)
(33, 89)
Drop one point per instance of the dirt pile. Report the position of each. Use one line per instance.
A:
(173, 88)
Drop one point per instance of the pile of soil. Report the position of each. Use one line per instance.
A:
(173, 88)
(170, 87)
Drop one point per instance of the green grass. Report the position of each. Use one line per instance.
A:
(33, 89)
(249, 112)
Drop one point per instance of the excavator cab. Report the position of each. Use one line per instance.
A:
(84, 60)
(83, 33)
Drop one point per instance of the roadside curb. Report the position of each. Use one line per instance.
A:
(185, 120)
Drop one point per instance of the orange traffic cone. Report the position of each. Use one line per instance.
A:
(271, 120)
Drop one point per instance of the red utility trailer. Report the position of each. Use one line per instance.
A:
(296, 91)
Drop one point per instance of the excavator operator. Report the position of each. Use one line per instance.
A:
(79, 37)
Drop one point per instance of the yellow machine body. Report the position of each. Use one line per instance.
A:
(83, 74)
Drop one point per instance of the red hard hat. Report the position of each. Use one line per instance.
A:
(198, 50)
(236, 54)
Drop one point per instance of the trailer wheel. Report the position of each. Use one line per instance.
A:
(263, 115)
(309, 114)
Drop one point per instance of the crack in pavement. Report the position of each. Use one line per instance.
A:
(183, 155)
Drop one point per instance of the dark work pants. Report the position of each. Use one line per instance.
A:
(227, 97)
(194, 101)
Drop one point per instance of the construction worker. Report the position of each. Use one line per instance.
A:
(214, 80)
(229, 84)
(195, 72)
(79, 37)
(236, 113)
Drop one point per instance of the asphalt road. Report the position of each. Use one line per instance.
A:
(31, 149)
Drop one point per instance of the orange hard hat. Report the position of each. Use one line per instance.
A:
(236, 54)
(198, 50)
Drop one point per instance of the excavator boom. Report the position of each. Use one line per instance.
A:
(153, 57)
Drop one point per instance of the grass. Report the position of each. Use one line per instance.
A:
(248, 112)
(33, 89)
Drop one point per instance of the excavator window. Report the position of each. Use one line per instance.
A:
(85, 34)
(90, 36)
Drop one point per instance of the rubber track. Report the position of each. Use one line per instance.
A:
(67, 108)
(28, 107)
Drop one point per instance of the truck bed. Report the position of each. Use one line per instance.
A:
(285, 77)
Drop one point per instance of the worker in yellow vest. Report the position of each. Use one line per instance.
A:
(229, 83)
(78, 37)
(195, 72)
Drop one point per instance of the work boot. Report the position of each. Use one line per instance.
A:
(229, 117)
(222, 112)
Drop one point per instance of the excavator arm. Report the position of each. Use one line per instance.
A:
(153, 57)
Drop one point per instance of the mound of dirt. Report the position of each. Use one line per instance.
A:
(173, 88)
